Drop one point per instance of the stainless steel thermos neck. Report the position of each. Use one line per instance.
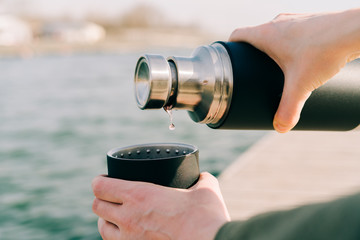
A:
(235, 86)
(201, 84)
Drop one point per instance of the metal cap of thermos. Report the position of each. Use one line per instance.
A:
(152, 82)
(201, 84)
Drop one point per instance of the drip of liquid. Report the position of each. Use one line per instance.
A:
(169, 112)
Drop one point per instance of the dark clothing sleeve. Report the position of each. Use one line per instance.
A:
(339, 219)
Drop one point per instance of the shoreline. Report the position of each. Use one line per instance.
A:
(127, 40)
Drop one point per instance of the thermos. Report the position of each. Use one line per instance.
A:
(233, 85)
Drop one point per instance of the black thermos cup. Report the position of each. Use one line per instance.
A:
(233, 85)
(167, 164)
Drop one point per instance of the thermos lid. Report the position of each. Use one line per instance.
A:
(152, 81)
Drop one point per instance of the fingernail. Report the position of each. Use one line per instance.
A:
(280, 128)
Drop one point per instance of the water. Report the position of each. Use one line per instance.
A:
(59, 115)
(168, 110)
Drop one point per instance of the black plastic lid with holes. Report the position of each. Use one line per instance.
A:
(168, 164)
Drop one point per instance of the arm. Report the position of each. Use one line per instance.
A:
(309, 48)
(339, 219)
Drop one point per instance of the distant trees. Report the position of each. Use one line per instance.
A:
(142, 16)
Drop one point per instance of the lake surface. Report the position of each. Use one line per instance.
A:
(59, 115)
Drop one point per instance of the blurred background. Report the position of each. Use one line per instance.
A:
(66, 97)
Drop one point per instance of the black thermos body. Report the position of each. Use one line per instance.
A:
(233, 85)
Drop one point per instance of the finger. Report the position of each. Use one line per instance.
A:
(107, 230)
(106, 188)
(287, 16)
(255, 36)
(206, 180)
(353, 56)
(245, 34)
(289, 110)
(106, 210)
(117, 190)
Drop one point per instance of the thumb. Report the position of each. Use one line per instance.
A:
(206, 180)
(291, 104)
(246, 34)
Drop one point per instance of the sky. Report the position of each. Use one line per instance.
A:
(221, 16)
